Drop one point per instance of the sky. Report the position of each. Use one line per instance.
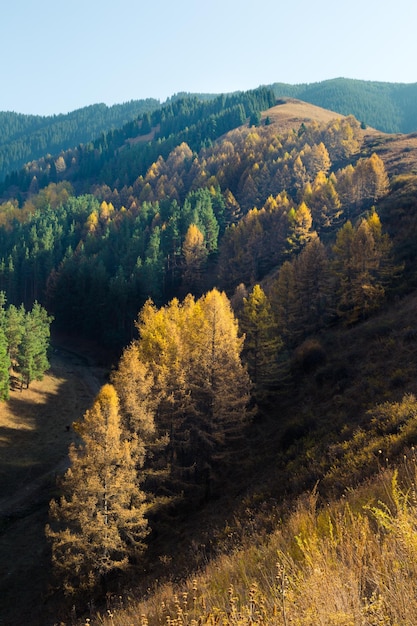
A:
(61, 56)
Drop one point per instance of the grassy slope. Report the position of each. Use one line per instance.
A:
(236, 539)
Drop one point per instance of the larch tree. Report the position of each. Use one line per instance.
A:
(362, 267)
(313, 286)
(195, 258)
(99, 525)
(262, 340)
(221, 382)
(284, 302)
(192, 351)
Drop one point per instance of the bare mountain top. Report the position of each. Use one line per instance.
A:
(291, 113)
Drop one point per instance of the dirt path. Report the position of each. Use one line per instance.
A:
(35, 433)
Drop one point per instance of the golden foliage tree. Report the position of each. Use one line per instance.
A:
(99, 522)
(191, 349)
(262, 340)
(362, 267)
(195, 257)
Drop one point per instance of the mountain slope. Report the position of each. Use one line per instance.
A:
(24, 138)
(338, 395)
(390, 107)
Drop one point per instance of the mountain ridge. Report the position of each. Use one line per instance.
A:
(389, 107)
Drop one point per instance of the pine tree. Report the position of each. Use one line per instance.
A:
(99, 526)
(15, 323)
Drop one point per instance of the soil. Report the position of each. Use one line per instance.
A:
(35, 433)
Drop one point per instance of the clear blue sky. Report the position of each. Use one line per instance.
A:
(60, 56)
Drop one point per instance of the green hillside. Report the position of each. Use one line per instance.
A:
(24, 138)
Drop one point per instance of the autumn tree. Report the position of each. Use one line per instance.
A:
(312, 287)
(361, 265)
(192, 350)
(98, 526)
(370, 180)
(284, 302)
(262, 340)
(300, 228)
(322, 198)
(195, 258)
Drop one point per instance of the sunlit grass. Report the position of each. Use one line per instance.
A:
(341, 565)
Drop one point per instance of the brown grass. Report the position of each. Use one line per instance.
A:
(293, 112)
(341, 565)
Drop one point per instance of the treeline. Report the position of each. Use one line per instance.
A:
(24, 138)
(389, 107)
(24, 345)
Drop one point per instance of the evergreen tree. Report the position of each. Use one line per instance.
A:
(14, 329)
(98, 526)
(4, 367)
(32, 357)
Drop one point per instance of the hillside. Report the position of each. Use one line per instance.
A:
(289, 223)
(389, 107)
(24, 138)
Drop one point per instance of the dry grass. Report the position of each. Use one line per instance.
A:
(342, 565)
(294, 112)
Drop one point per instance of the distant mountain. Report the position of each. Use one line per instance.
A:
(24, 138)
(390, 107)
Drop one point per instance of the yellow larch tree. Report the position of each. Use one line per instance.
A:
(99, 523)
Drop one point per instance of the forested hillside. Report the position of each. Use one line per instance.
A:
(248, 269)
(390, 107)
(24, 138)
